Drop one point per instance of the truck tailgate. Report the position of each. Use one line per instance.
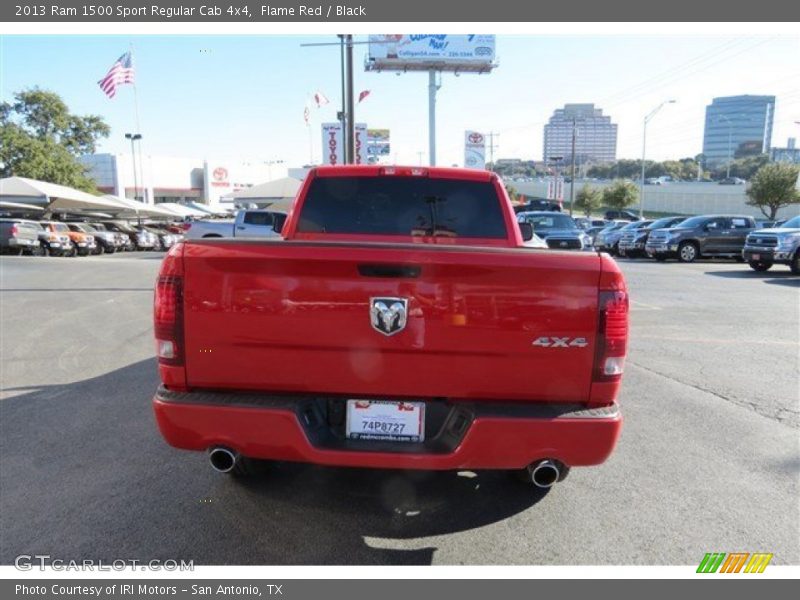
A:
(293, 316)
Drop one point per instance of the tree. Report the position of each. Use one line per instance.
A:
(588, 199)
(773, 187)
(41, 139)
(620, 194)
(511, 191)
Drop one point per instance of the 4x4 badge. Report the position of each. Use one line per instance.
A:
(561, 342)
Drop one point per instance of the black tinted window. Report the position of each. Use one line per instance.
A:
(258, 218)
(402, 206)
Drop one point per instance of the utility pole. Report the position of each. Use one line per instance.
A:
(572, 170)
(491, 135)
(343, 113)
(351, 117)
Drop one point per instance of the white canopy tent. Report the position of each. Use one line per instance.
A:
(51, 196)
(182, 211)
(277, 195)
(20, 207)
(140, 209)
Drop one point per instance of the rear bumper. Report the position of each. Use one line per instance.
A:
(470, 435)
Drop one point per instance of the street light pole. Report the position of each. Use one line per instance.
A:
(647, 119)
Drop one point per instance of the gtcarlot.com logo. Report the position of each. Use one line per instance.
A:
(736, 562)
(27, 562)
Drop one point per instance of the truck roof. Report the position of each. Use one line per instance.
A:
(390, 170)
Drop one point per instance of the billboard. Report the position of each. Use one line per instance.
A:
(473, 52)
(378, 145)
(474, 150)
(333, 144)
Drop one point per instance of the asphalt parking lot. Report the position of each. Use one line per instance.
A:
(708, 460)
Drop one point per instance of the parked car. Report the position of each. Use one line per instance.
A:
(483, 354)
(54, 244)
(18, 236)
(115, 238)
(586, 223)
(702, 236)
(84, 243)
(732, 181)
(137, 240)
(608, 240)
(624, 215)
(632, 242)
(592, 232)
(775, 245)
(105, 241)
(534, 204)
(256, 222)
(164, 239)
(558, 231)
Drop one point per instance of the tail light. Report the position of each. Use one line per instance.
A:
(185, 226)
(14, 229)
(612, 335)
(168, 310)
(405, 171)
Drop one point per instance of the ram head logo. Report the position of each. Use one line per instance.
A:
(388, 315)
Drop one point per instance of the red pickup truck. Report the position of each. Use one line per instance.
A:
(400, 323)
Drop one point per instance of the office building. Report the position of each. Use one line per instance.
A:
(595, 140)
(737, 127)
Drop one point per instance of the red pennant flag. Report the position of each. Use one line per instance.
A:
(363, 95)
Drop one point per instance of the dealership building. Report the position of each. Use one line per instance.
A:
(174, 179)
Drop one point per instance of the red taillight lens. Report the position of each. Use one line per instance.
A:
(14, 229)
(612, 335)
(185, 226)
(168, 319)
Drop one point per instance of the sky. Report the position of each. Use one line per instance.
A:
(242, 96)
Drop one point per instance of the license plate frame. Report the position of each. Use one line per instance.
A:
(756, 257)
(385, 420)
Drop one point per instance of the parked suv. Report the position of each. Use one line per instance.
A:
(703, 236)
(105, 241)
(18, 236)
(632, 241)
(777, 245)
(54, 244)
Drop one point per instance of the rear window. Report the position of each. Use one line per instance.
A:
(258, 218)
(402, 206)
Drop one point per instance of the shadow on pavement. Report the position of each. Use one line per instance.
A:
(775, 277)
(84, 473)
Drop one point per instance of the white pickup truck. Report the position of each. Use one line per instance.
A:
(248, 223)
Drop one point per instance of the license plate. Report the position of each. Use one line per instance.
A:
(756, 257)
(385, 420)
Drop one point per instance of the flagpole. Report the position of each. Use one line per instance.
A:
(310, 145)
(138, 129)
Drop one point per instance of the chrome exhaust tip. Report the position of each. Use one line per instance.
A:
(544, 474)
(222, 459)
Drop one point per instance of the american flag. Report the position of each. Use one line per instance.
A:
(120, 73)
